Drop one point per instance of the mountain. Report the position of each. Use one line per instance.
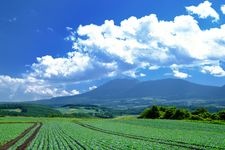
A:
(130, 93)
(174, 89)
(112, 89)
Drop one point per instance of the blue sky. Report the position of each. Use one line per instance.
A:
(57, 48)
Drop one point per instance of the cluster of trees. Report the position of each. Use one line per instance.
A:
(160, 112)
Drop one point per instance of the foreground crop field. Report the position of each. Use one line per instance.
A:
(11, 131)
(61, 133)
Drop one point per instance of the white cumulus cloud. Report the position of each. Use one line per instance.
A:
(142, 75)
(177, 73)
(148, 40)
(48, 67)
(92, 87)
(73, 92)
(223, 9)
(204, 10)
(154, 67)
(214, 70)
(29, 88)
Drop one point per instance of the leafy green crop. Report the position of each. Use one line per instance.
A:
(118, 134)
(60, 135)
(10, 131)
(193, 133)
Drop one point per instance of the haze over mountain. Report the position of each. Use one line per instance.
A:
(131, 92)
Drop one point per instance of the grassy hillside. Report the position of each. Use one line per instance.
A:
(85, 111)
(22, 109)
(95, 111)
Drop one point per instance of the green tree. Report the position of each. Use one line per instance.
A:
(202, 112)
(153, 113)
(215, 116)
(169, 113)
(181, 114)
(199, 111)
(221, 115)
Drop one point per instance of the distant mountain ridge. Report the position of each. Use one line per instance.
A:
(175, 89)
(113, 89)
(137, 93)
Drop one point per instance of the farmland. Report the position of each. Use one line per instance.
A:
(131, 133)
(10, 131)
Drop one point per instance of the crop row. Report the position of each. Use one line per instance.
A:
(198, 134)
(106, 134)
(155, 140)
(11, 131)
(67, 135)
(52, 137)
(23, 139)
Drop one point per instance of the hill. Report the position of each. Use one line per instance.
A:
(130, 93)
(21, 109)
(87, 111)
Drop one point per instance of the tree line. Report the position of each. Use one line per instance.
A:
(162, 112)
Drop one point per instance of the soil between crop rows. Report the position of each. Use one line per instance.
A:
(22, 135)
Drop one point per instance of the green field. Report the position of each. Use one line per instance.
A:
(123, 133)
(11, 131)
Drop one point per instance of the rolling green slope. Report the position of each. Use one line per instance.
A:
(22, 109)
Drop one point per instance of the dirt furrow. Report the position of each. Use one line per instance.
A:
(15, 140)
(30, 139)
